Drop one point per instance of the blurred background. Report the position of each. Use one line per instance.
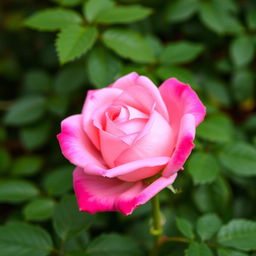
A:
(52, 52)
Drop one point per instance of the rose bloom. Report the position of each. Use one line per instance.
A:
(130, 141)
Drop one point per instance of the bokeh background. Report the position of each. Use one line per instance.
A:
(48, 61)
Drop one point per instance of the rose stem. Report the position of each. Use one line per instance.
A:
(156, 229)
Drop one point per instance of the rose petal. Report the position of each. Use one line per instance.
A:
(125, 81)
(136, 97)
(154, 140)
(97, 99)
(135, 113)
(132, 126)
(110, 147)
(96, 194)
(180, 99)
(130, 138)
(77, 147)
(117, 113)
(119, 124)
(184, 145)
(112, 128)
(133, 79)
(136, 168)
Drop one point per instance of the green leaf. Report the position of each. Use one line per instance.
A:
(3, 134)
(203, 199)
(208, 225)
(181, 52)
(203, 168)
(239, 234)
(92, 9)
(35, 136)
(183, 74)
(27, 165)
(128, 44)
(123, 14)
(251, 18)
(185, 228)
(114, 245)
(5, 160)
(58, 181)
(77, 244)
(239, 158)
(242, 50)
(73, 41)
(102, 67)
(245, 78)
(220, 194)
(37, 81)
(225, 23)
(39, 209)
(232, 24)
(196, 249)
(15, 191)
(68, 2)
(58, 104)
(155, 44)
(213, 197)
(227, 5)
(106, 12)
(20, 239)
(217, 91)
(25, 111)
(250, 123)
(76, 253)
(65, 82)
(216, 128)
(53, 19)
(181, 10)
(129, 68)
(223, 65)
(68, 220)
(227, 252)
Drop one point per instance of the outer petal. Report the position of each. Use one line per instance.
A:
(96, 99)
(125, 81)
(186, 111)
(133, 79)
(136, 97)
(146, 83)
(96, 194)
(180, 99)
(138, 170)
(76, 146)
(184, 145)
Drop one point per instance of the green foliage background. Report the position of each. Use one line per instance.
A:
(52, 52)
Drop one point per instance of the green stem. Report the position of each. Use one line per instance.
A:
(156, 229)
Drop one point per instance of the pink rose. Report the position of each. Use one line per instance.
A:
(130, 141)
